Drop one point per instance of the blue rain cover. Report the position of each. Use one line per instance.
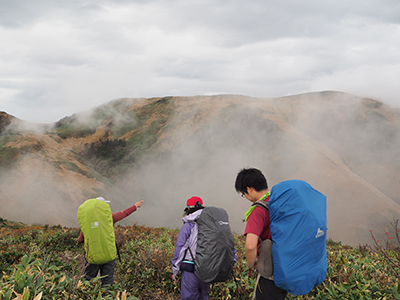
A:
(298, 230)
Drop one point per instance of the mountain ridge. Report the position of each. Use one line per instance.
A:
(165, 149)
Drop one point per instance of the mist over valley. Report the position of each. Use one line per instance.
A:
(164, 150)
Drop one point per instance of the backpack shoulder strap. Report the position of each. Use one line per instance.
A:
(261, 203)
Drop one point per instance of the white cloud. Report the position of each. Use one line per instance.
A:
(60, 58)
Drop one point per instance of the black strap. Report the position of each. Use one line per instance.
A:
(237, 286)
(119, 256)
(262, 204)
(195, 222)
(190, 253)
(185, 254)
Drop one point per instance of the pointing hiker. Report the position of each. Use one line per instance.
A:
(185, 250)
(97, 224)
(252, 185)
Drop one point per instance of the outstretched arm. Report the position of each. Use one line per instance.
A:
(123, 214)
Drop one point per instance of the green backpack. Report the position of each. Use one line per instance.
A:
(96, 222)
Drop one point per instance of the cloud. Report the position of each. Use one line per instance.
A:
(61, 58)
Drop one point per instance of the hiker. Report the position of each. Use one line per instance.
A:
(185, 250)
(106, 267)
(252, 185)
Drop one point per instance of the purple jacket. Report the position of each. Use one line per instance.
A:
(187, 238)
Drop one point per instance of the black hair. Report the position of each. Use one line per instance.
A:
(252, 178)
(190, 210)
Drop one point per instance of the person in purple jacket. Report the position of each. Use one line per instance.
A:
(185, 251)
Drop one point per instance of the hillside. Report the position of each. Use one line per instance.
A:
(163, 150)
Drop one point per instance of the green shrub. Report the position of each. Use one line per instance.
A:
(66, 130)
(37, 279)
(8, 156)
(48, 261)
(4, 139)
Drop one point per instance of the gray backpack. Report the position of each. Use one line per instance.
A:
(215, 253)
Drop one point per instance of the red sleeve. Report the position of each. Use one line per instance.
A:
(123, 214)
(81, 238)
(258, 223)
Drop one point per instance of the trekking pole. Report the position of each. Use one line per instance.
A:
(237, 286)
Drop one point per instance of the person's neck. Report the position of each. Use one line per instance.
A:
(260, 194)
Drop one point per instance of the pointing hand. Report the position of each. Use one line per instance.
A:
(139, 204)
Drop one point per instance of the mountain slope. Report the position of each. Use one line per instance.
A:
(164, 150)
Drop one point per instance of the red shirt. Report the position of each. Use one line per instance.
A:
(118, 216)
(258, 223)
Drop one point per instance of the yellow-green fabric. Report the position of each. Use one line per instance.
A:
(95, 220)
(248, 213)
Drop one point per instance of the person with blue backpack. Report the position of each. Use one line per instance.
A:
(286, 235)
(252, 185)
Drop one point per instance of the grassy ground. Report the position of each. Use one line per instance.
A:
(42, 262)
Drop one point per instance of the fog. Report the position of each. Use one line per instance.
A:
(33, 194)
(338, 156)
(205, 165)
(342, 145)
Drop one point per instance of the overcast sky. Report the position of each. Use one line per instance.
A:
(62, 57)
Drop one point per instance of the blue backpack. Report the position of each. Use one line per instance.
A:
(298, 230)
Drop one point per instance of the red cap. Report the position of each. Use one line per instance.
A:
(192, 201)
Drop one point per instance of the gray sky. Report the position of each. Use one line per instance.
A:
(62, 57)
